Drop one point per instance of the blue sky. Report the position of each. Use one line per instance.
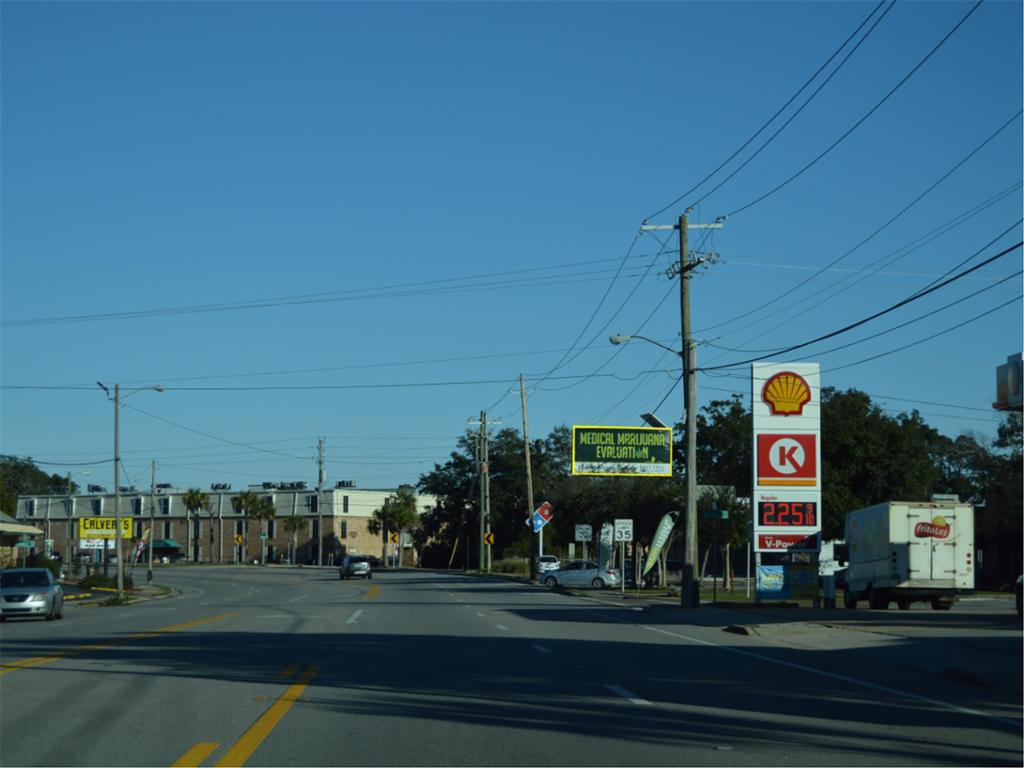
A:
(422, 201)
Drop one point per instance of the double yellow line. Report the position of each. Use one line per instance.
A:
(249, 742)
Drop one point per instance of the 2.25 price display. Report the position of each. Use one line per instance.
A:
(787, 513)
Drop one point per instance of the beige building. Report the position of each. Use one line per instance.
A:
(219, 534)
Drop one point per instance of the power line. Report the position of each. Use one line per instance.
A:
(851, 326)
(956, 166)
(792, 117)
(856, 125)
(778, 112)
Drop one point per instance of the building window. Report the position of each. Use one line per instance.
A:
(344, 529)
(97, 506)
(165, 505)
(167, 529)
(138, 529)
(236, 506)
(344, 504)
(30, 508)
(269, 499)
(313, 503)
(136, 506)
(238, 526)
(271, 528)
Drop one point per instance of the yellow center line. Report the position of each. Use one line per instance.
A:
(374, 591)
(196, 755)
(289, 671)
(251, 739)
(35, 661)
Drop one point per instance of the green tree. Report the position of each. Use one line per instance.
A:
(397, 514)
(21, 477)
(251, 506)
(195, 501)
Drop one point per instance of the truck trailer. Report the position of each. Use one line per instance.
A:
(909, 551)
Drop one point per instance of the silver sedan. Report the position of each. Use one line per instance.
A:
(30, 592)
(582, 573)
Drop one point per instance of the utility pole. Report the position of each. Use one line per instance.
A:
(320, 502)
(487, 489)
(152, 522)
(117, 490)
(690, 589)
(529, 484)
(482, 464)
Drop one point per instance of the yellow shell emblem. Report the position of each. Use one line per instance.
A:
(786, 394)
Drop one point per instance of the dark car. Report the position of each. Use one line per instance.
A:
(355, 565)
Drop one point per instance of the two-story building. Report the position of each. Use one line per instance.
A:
(220, 533)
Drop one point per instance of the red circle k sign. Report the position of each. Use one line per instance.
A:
(787, 460)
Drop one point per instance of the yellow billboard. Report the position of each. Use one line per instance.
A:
(103, 528)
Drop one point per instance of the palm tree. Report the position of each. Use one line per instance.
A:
(264, 511)
(194, 501)
(246, 503)
(293, 525)
(397, 514)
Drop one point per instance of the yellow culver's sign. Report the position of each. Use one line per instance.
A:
(103, 528)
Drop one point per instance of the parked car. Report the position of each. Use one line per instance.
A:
(30, 592)
(582, 573)
(547, 563)
(355, 565)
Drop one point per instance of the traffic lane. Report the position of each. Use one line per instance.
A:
(139, 685)
(496, 694)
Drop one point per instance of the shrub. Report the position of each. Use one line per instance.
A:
(99, 581)
(514, 565)
(40, 560)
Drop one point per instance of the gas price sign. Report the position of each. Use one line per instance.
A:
(796, 514)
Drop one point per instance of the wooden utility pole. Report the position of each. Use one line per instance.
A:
(320, 502)
(534, 541)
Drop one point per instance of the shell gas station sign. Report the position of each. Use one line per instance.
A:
(786, 406)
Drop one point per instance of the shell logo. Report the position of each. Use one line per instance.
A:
(786, 393)
(938, 528)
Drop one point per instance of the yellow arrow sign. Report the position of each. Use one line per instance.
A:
(238, 538)
(488, 538)
(393, 538)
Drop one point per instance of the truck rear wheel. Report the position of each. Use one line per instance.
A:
(941, 605)
(878, 601)
(903, 605)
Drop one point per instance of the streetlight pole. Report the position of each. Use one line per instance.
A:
(117, 485)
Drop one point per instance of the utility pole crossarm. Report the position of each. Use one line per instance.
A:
(670, 227)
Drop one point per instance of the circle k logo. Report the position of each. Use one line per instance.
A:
(787, 460)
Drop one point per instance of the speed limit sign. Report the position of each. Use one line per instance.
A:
(623, 530)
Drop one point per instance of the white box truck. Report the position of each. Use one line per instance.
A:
(907, 551)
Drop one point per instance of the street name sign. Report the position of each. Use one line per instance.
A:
(616, 451)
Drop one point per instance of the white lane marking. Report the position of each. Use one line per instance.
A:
(354, 617)
(300, 597)
(502, 627)
(844, 678)
(629, 696)
(540, 648)
(481, 615)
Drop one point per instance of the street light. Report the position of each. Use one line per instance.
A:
(117, 485)
(689, 595)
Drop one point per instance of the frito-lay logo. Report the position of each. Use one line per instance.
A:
(938, 528)
(786, 394)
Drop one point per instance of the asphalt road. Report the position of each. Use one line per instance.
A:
(257, 666)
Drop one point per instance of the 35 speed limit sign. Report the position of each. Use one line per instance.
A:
(623, 530)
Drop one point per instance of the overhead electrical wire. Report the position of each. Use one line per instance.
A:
(797, 112)
(851, 326)
(771, 119)
(868, 272)
(920, 196)
(861, 121)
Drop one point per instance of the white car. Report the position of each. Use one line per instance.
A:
(582, 573)
(547, 563)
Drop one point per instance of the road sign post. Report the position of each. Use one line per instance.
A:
(623, 533)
